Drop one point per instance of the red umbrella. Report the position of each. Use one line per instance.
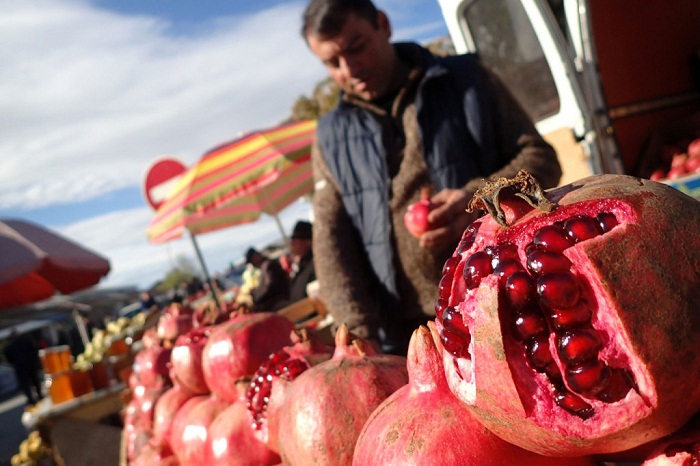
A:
(35, 263)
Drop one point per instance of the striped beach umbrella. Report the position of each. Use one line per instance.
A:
(261, 172)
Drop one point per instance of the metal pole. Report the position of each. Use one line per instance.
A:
(285, 238)
(204, 270)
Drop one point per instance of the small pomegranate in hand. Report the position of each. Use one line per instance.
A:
(416, 218)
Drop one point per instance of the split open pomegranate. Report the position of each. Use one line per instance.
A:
(569, 319)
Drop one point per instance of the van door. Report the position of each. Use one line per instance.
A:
(530, 45)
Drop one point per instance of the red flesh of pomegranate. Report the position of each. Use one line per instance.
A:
(329, 403)
(267, 391)
(582, 333)
(236, 349)
(407, 428)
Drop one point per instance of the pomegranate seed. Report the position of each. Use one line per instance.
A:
(506, 268)
(528, 323)
(440, 307)
(519, 289)
(620, 384)
(588, 378)
(451, 265)
(558, 290)
(551, 238)
(542, 262)
(468, 238)
(579, 345)
(581, 228)
(565, 319)
(457, 344)
(452, 320)
(538, 354)
(502, 252)
(573, 404)
(606, 221)
(445, 286)
(477, 266)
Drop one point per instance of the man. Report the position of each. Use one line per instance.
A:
(303, 271)
(406, 120)
(22, 353)
(272, 291)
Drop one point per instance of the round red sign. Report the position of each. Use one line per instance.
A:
(160, 177)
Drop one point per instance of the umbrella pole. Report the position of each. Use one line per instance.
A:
(279, 225)
(78, 318)
(204, 270)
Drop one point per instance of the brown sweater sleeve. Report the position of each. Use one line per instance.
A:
(520, 144)
(344, 274)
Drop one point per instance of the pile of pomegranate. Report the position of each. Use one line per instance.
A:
(567, 332)
(678, 160)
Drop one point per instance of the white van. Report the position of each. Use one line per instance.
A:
(599, 77)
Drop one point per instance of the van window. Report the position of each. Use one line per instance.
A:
(506, 42)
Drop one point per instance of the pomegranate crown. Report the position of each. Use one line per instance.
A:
(523, 186)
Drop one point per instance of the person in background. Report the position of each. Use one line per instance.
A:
(406, 120)
(272, 291)
(22, 353)
(303, 271)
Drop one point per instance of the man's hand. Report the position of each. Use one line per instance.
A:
(452, 213)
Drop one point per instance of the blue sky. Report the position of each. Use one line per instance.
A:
(95, 90)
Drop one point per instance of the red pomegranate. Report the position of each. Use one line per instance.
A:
(189, 437)
(236, 349)
(233, 442)
(329, 403)
(174, 320)
(574, 329)
(416, 217)
(186, 361)
(403, 430)
(152, 366)
(163, 414)
(268, 387)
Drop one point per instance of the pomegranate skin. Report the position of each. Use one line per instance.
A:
(404, 430)
(164, 412)
(640, 279)
(190, 431)
(327, 405)
(416, 216)
(236, 348)
(186, 361)
(233, 442)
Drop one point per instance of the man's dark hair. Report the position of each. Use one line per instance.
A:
(327, 17)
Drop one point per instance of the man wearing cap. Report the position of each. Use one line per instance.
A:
(303, 271)
(272, 292)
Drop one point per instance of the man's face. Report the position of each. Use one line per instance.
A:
(359, 58)
(299, 247)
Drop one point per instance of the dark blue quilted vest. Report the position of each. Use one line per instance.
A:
(458, 143)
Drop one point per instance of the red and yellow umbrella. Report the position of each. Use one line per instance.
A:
(261, 172)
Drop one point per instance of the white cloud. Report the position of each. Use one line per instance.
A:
(89, 98)
(121, 237)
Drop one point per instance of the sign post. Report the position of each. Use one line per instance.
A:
(160, 178)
